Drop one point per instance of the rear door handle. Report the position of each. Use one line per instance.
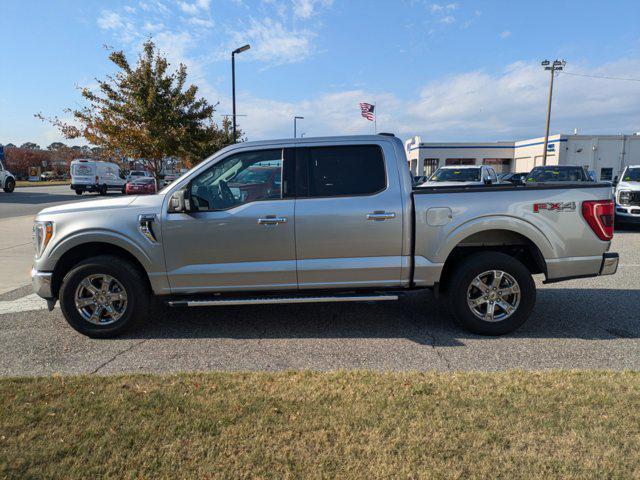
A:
(380, 215)
(272, 220)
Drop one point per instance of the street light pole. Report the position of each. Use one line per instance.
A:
(233, 84)
(295, 129)
(552, 67)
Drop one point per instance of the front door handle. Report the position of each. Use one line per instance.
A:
(272, 220)
(379, 215)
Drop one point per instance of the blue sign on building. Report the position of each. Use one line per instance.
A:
(551, 147)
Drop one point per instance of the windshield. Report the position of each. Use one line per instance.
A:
(456, 175)
(555, 174)
(137, 174)
(144, 180)
(632, 175)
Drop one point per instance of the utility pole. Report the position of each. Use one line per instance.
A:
(295, 129)
(552, 67)
(233, 84)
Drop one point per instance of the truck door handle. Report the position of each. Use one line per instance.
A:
(272, 220)
(380, 215)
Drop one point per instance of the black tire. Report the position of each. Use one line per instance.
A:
(124, 189)
(79, 191)
(133, 282)
(9, 185)
(476, 265)
(103, 190)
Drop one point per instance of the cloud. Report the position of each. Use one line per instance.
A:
(448, 20)
(505, 34)
(272, 42)
(307, 8)
(196, 7)
(437, 8)
(471, 106)
(109, 20)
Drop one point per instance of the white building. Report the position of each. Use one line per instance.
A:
(606, 155)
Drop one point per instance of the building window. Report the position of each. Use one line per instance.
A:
(460, 161)
(606, 173)
(430, 166)
(500, 165)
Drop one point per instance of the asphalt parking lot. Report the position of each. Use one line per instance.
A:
(588, 323)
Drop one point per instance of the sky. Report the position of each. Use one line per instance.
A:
(447, 71)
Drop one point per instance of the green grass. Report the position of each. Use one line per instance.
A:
(323, 425)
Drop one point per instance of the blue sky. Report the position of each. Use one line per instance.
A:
(444, 70)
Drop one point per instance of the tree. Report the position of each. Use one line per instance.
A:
(30, 146)
(55, 146)
(147, 113)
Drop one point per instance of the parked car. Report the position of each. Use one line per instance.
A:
(454, 176)
(133, 174)
(168, 179)
(627, 195)
(94, 176)
(141, 186)
(47, 176)
(345, 224)
(419, 179)
(7, 180)
(556, 173)
(513, 177)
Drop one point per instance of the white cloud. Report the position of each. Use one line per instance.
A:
(273, 43)
(505, 34)
(436, 8)
(307, 8)
(109, 20)
(448, 20)
(195, 7)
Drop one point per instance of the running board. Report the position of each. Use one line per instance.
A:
(277, 300)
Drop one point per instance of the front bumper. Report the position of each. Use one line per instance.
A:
(41, 283)
(609, 263)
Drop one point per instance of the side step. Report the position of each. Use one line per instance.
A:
(276, 300)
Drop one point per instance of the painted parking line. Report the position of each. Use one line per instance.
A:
(24, 304)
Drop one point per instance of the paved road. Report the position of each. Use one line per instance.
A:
(30, 200)
(589, 323)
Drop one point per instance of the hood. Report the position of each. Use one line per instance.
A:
(91, 205)
(448, 184)
(633, 186)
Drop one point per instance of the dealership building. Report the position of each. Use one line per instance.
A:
(606, 155)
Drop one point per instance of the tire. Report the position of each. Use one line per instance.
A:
(130, 311)
(9, 185)
(482, 266)
(103, 190)
(124, 190)
(78, 191)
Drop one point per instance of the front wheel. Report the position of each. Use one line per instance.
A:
(9, 185)
(103, 190)
(78, 191)
(104, 296)
(491, 293)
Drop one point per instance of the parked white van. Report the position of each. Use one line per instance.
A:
(93, 176)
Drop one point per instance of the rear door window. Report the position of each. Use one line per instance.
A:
(346, 171)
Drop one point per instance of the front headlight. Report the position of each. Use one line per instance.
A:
(42, 233)
(624, 197)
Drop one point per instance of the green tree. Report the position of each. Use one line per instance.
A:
(147, 113)
(57, 146)
(30, 146)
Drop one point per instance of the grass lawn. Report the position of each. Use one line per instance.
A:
(26, 183)
(322, 425)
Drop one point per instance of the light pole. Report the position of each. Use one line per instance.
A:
(295, 126)
(233, 84)
(552, 67)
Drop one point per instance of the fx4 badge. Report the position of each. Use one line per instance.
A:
(552, 206)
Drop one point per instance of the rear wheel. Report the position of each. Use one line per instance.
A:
(104, 296)
(491, 293)
(78, 191)
(103, 190)
(9, 185)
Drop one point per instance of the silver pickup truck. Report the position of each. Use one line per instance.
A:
(318, 220)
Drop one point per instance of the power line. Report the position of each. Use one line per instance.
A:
(601, 76)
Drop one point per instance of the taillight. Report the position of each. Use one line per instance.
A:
(599, 215)
(97, 178)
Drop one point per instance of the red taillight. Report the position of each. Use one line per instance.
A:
(599, 215)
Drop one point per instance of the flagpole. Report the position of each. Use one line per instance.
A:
(375, 118)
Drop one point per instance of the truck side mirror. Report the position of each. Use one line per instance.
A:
(615, 181)
(180, 201)
(487, 181)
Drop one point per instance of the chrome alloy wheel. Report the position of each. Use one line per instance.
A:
(100, 299)
(493, 296)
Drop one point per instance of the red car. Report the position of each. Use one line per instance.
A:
(141, 186)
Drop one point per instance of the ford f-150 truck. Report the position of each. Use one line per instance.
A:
(341, 223)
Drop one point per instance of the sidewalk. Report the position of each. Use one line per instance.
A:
(16, 252)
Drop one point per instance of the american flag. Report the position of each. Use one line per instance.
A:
(367, 111)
